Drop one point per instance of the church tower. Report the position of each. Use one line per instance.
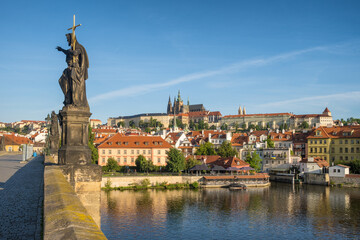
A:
(327, 112)
(169, 107)
(240, 112)
(244, 111)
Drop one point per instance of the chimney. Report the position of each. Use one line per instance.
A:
(283, 131)
(202, 132)
(209, 137)
(277, 130)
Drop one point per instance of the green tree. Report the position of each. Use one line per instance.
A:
(112, 165)
(121, 123)
(176, 160)
(213, 127)
(191, 162)
(226, 150)
(94, 151)
(243, 126)
(224, 126)
(206, 149)
(201, 125)
(304, 125)
(254, 160)
(132, 124)
(143, 165)
(270, 142)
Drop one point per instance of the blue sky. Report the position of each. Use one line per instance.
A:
(269, 56)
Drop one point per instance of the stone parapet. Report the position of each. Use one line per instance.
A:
(65, 217)
(130, 180)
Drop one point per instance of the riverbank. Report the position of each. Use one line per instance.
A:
(146, 185)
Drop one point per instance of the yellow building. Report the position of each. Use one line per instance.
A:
(335, 143)
(125, 149)
(13, 142)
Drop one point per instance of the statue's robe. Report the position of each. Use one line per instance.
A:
(72, 81)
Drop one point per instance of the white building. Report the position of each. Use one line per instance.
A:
(339, 171)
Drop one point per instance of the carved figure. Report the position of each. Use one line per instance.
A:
(72, 81)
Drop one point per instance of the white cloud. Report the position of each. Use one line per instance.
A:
(146, 88)
(352, 96)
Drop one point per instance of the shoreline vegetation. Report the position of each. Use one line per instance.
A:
(145, 184)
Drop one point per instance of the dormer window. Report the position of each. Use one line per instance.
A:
(160, 143)
(137, 143)
(118, 143)
(126, 143)
(109, 143)
(146, 143)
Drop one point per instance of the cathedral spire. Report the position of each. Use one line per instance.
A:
(179, 97)
(188, 103)
(240, 112)
(169, 107)
(244, 111)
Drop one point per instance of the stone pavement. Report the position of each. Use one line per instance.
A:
(21, 197)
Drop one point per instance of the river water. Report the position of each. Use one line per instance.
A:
(282, 211)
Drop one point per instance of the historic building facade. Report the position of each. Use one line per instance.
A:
(335, 143)
(125, 149)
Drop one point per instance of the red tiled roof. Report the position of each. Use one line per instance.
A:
(217, 113)
(337, 132)
(287, 136)
(209, 158)
(238, 139)
(11, 139)
(257, 175)
(344, 166)
(120, 141)
(198, 114)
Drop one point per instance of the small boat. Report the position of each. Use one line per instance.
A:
(236, 186)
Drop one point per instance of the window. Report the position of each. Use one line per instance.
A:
(132, 160)
(335, 170)
(124, 160)
(324, 150)
(125, 151)
(346, 150)
(338, 170)
(341, 158)
(320, 141)
(346, 141)
(341, 150)
(159, 160)
(311, 141)
(357, 150)
(352, 141)
(159, 151)
(340, 141)
(144, 151)
(346, 158)
(324, 141)
(118, 160)
(149, 151)
(315, 142)
(332, 150)
(118, 151)
(320, 150)
(109, 151)
(138, 151)
(103, 151)
(103, 159)
(311, 150)
(132, 151)
(352, 150)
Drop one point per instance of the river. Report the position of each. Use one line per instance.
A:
(282, 211)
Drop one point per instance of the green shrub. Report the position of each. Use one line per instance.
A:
(145, 182)
(108, 185)
(195, 185)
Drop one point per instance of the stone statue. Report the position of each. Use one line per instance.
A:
(54, 133)
(72, 81)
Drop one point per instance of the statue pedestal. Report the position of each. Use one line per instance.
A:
(74, 137)
(75, 156)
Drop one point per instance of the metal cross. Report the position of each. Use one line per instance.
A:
(73, 34)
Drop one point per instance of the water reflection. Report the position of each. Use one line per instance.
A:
(279, 211)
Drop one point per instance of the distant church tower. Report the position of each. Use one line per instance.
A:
(244, 111)
(169, 107)
(240, 112)
(327, 112)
